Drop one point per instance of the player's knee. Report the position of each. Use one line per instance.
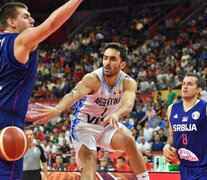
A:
(129, 143)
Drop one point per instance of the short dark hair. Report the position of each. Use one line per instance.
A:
(199, 81)
(122, 158)
(59, 155)
(9, 10)
(120, 48)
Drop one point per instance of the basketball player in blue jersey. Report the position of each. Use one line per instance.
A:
(188, 125)
(18, 65)
(104, 96)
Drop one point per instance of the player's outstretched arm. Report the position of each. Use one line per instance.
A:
(128, 98)
(168, 151)
(28, 40)
(90, 83)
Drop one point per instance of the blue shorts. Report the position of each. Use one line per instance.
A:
(10, 170)
(193, 173)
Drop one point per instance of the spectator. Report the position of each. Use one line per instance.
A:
(167, 129)
(143, 145)
(65, 148)
(160, 122)
(141, 134)
(152, 140)
(142, 74)
(40, 135)
(155, 126)
(104, 165)
(72, 152)
(150, 115)
(163, 138)
(179, 98)
(47, 129)
(62, 137)
(107, 155)
(204, 95)
(158, 109)
(140, 114)
(126, 123)
(39, 94)
(51, 148)
(60, 166)
(161, 99)
(134, 133)
(121, 164)
(170, 96)
(73, 165)
(148, 153)
(147, 130)
(157, 145)
(44, 144)
(149, 166)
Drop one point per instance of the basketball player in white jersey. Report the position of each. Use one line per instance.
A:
(104, 96)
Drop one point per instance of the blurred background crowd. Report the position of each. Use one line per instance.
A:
(162, 47)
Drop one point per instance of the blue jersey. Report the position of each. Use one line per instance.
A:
(16, 84)
(190, 136)
(16, 79)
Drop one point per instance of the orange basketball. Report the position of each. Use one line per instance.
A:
(13, 143)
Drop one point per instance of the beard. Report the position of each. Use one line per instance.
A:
(112, 72)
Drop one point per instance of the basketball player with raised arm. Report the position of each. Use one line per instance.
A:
(18, 65)
(188, 125)
(103, 96)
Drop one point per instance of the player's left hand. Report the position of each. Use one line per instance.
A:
(46, 113)
(112, 119)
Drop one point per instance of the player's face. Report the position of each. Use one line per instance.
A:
(189, 87)
(23, 20)
(112, 62)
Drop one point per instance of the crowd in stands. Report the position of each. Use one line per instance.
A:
(156, 64)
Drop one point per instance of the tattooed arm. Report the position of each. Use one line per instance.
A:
(89, 84)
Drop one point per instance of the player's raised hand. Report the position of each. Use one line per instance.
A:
(169, 153)
(112, 119)
(45, 113)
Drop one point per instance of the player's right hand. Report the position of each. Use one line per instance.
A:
(46, 113)
(169, 153)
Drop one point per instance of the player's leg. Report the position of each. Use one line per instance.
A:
(123, 140)
(84, 142)
(88, 160)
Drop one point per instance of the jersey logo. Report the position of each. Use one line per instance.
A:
(187, 155)
(195, 115)
(185, 119)
(117, 91)
(176, 116)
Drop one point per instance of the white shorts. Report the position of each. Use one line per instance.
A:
(91, 135)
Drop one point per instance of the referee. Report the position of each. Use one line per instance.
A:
(31, 165)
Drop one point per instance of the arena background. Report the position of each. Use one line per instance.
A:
(165, 39)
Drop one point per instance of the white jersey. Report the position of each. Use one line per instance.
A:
(94, 108)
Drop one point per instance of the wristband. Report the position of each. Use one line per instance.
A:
(167, 145)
